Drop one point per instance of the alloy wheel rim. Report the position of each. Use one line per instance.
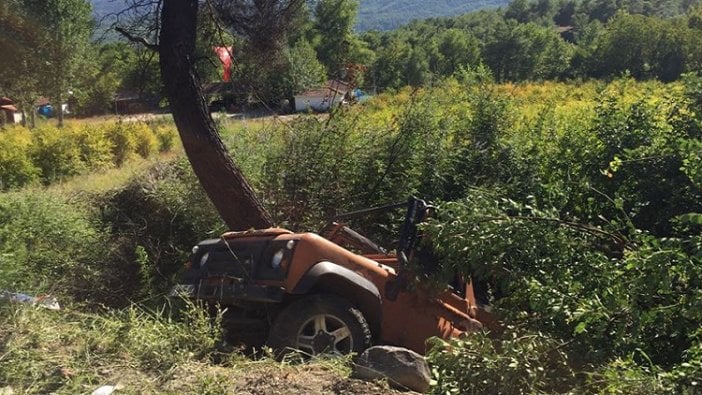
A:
(325, 333)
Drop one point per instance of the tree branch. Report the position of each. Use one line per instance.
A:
(620, 240)
(136, 39)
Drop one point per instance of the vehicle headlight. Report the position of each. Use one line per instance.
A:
(195, 249)
(277, 259)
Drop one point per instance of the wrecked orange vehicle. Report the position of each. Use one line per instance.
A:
(336, 291)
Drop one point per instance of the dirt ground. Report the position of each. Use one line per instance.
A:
(314, 381)
(252, 378)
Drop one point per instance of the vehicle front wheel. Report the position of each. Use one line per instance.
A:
(320, 324)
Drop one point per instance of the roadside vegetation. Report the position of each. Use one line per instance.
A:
(567, 165)
(49, 154)
(521, 41)
(578, 204)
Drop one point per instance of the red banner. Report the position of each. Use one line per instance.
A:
(225, 56)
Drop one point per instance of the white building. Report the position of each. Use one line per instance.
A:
(321, 99)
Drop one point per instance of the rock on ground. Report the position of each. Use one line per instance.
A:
(402, 367)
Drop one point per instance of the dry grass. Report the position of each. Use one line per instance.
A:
(144, 352)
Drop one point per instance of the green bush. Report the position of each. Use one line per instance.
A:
(166, 136)
(48, 243)
(95, 148)
(56, 152)
(145, 141)
(123, 142)
(126, 244)
(157, 218)
(516, 363)
(16, 166)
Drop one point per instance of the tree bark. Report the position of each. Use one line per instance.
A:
(223, 182)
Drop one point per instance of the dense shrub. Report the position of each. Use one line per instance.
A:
(16, 166)
(155, 220)
(519, 363)
(123, 245)
(48, 243)
(166, 136)
(579, 207)
(53, 154)
(145, 140)
(123, 140)
(55, 151)
(547, 274)
(95, 148)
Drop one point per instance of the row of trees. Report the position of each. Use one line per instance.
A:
(528, 40)
(49, 49)
(537, 41)
(51, 52)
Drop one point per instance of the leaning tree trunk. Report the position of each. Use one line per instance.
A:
(223, 182)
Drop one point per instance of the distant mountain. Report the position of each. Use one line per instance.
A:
(373, 14)
(390, 14)
(102, 8)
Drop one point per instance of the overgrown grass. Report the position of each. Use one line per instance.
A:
(170, 351)
(70, 351)
(578, 205)
(100, 182)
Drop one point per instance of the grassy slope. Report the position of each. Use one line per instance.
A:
(71, 352)
(79, 349)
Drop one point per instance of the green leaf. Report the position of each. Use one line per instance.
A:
(580, 328)
(691, 218)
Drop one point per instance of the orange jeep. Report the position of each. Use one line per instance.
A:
(335, 292)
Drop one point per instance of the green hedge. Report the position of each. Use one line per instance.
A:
(48, 153)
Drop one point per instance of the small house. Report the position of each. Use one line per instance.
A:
(7, 106)
(322, 99)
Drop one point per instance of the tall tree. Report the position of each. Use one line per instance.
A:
(263, 30)
(333, 26)
(66, 28)
(304, 70)
(19, 62)
(265, 24)
(223, 182)
(177, 27)
(457, 48)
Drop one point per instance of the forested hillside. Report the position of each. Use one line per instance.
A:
(543, 40)
(373, 14)
(391, 14)
(523, 41)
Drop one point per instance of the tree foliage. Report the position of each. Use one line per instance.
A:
(65, 27)
(333, 30)
(538, 40)
(577, 207)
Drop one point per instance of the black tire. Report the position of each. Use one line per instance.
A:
(319, 324)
